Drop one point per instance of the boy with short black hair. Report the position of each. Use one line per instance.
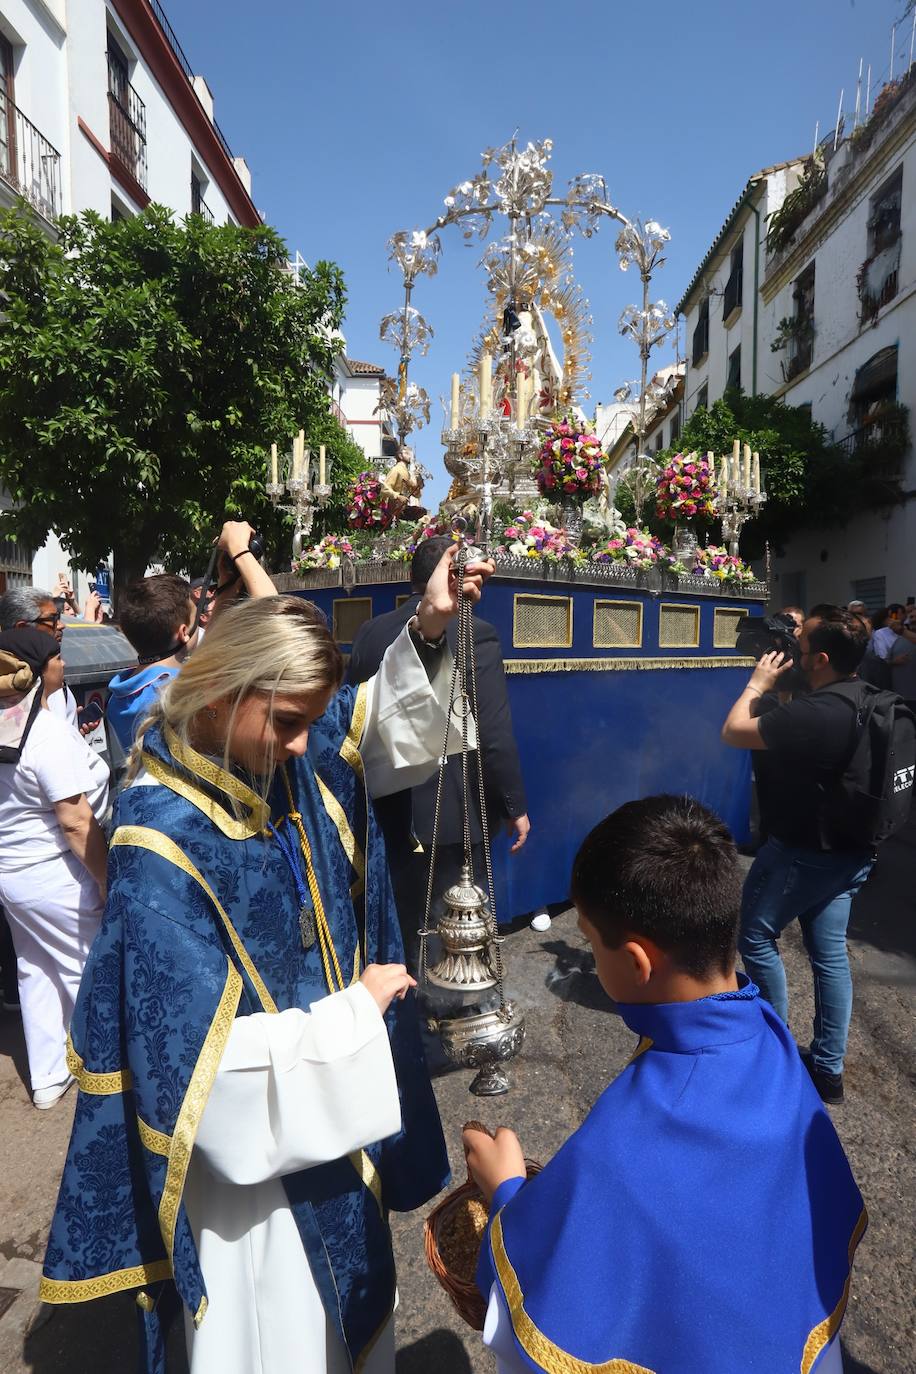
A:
(704, 1216)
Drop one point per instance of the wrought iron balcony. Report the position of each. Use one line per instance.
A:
(28, 162)
(880, 446)
(198, 205)
(127, 120)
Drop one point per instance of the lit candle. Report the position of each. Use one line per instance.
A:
(757, 473)
(747, 467)
(486, 385)
(456, 384)
(274, 466)
(321, 465)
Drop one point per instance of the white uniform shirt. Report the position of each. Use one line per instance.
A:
(56, 763)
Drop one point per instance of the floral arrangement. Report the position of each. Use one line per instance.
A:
(570, 463)
(367, 510)
(686, 489)
(528, 536)
(327, 553)
(405, 551)
(636, 548)
(716, 561)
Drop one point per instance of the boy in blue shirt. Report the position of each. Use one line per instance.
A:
(703, 1218)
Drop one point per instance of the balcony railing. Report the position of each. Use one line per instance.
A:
(127, 120)
(198, 205)
(881, 446)
(28, 162)
(338, 414)
(184, 64)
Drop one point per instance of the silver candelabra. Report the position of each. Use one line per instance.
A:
(741, 493)
(305, 492)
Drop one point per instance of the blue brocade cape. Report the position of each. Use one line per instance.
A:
(703, 1218)
(201, 926)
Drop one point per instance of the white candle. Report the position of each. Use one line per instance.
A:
(747, 467)
(486, 384)
(723, 478)
(274, 465)
(322, 468)
(521, 398)
(757, 473)
(294, 462)
(305, 461)
(456, 384)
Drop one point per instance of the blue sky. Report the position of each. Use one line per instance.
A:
(357, 120)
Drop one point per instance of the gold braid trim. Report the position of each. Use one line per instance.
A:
(157, 1142)
(349, 750)
(645, 1043)
(176, 782)
(535, 1344)
(617, 665)
(84, 1290)
(195, 1100)
(347, 838)
(201, 1311)
(157, 843)
(333, 976)
(218, 777)
(370, 1176)
(98, 1084)
(825, 1331)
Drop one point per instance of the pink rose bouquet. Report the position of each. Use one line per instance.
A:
(530, 537)
(686, 489)
(716, 561)
(636, 548)
(367, 509)
(570, 463)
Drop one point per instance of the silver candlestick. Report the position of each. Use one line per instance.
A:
(305, 495)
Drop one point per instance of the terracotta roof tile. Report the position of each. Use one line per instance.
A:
(365, 369)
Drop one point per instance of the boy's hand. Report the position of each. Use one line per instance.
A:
(386, 982)
(492, 1160)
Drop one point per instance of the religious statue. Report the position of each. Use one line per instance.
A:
(402, 487)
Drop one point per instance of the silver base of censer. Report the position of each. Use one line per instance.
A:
(483, 1037)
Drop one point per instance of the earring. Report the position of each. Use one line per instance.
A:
(211, 712)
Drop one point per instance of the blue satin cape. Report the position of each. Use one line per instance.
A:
(702, 1219)
(201, 926)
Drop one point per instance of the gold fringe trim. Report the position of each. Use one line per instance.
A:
(195, 1100)
(347, 838)
(98, 1084)
(369, 1174)
(618, 665)
(535, 1344)
(233, 829)
(825, 1331)
(201, 1312)
(157, 1142)
(202, 767)
(157, 843)
(84, 1290)
(349, 750)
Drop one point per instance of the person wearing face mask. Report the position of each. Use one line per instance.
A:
(53, 796)
(253, 1096)
(24, 608)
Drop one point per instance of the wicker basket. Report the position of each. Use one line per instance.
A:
(465, 1295)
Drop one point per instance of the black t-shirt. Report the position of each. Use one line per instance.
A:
(808, 741)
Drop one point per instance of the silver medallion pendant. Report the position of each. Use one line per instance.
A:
(307, 926)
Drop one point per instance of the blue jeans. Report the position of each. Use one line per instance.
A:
(816, 889)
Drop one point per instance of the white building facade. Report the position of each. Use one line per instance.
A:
(837, 296)
(101, 110)
(355, 402)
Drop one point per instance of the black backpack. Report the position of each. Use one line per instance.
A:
(870, 800)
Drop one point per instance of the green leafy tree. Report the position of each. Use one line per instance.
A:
(809, 481)
(145, 367)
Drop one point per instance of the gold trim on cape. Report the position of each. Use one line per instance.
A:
(347, 839)
(98, 1084)
(157, 1142)
(618, 665)
(349, 750)
(535, 1344)
(825, 1331)
(645, 1043)
(157, 843)
(176, 782)
(205, 768)
(370, 1176)
(85, 1290)
(195, 1100)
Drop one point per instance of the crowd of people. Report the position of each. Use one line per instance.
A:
(219, 963)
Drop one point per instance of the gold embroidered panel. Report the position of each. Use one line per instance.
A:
(726, 620)
(542, 622)
(678, 626)
(349, 613)
(617, 625)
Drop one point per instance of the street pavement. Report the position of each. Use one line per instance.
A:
(575, 1045)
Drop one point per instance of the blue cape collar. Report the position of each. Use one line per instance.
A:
(689, 1027)
(225, 799)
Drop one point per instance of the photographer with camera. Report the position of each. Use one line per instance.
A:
(159, 617)
(840, 780)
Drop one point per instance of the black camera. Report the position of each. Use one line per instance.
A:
(768, 634)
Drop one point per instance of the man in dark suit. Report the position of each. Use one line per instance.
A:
(406, 818)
